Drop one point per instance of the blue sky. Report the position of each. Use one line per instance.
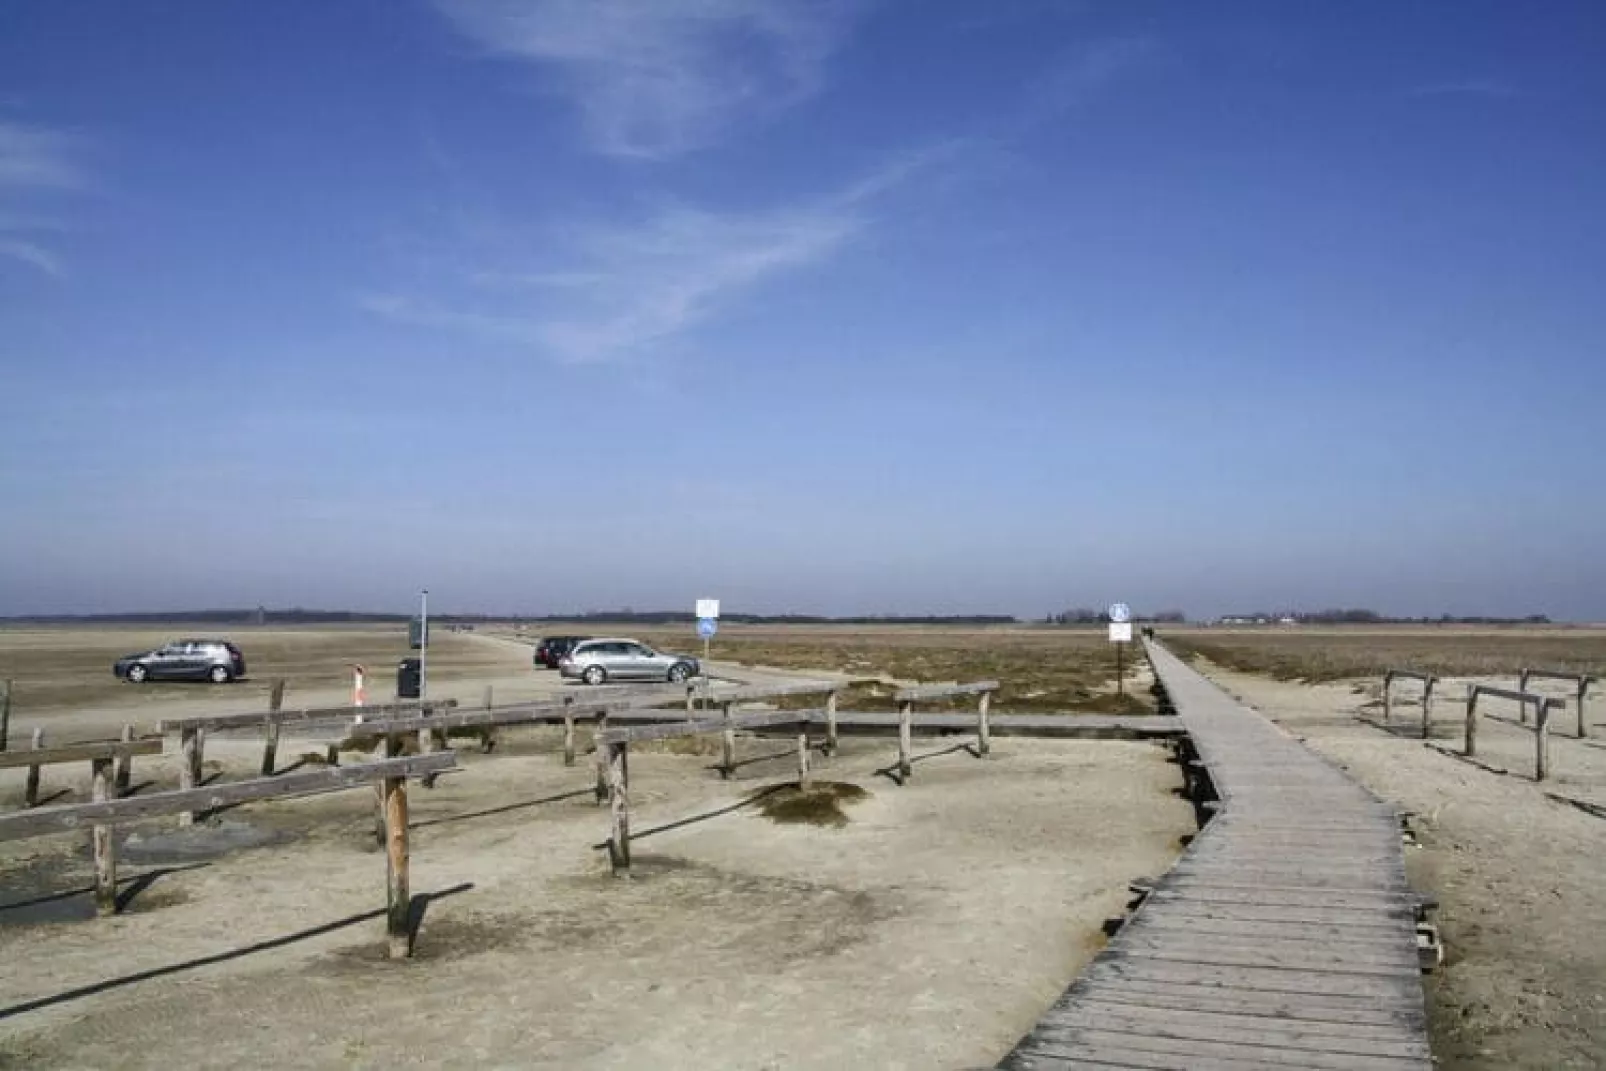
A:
(897, 306)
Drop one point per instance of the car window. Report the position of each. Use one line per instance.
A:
(641, 650)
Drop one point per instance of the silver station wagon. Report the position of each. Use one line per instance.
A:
(600, 661)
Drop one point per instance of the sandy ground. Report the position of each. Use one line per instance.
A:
(929, 932)
(1520, 875)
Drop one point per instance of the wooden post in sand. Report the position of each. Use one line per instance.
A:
(830, 723)
(1388, 684)
(602, 756)
(619, 806)
(905, 718)
(270, 730)
(125, 765)
(1470, 749)
(5, 712)
(488, 736)
(105, 847)
(30, 795)
(568, 730)
(1427, 708)
(984, 731)
(727, 765)
(803, 756)
(398, 902)
(189, 769)
(1542, 709)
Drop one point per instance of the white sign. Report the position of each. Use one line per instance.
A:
(1121, 633)
(707, 607)
(1120, 613)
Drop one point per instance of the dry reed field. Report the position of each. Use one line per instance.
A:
(1041, 669)
(1333, 653)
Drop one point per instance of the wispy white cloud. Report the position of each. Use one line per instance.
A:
(32, 254)
(619, 291)
(654, 78)
(34, 161)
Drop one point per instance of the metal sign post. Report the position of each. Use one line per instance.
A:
(707, 611)
(423, 645)
(1120, 635)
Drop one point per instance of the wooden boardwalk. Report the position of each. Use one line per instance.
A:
(1284, 937)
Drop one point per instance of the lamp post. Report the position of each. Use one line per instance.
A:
(423, 645)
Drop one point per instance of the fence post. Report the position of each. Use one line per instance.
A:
(30, 796)
(619, 807)
(270, 731)
(1388, 681)
(830, 722)
(488, 737)
(1583, 690)
(905, 717)
(105, 847)
(1471, 748)
(691, 701)
(1542, 738)
(602, 757)
(1427, 709)
(125, 764)
(398, 898)
(568, 730)
(727, 766)
(5, 712)
(189, 769)
(984, 731)
(803, 756)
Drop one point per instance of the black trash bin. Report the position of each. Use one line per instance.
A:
(410, 678)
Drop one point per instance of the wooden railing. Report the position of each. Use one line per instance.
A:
(1580, 682)
(121, 752)
(1541, 729)
(1427, 680)
(105, 813)
(925, 693)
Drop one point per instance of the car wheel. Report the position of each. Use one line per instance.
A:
(137, 674)
(219, 675)
(594, 675)
(678, 673)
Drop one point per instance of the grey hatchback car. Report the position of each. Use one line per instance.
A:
(218, 661)
(600, 661)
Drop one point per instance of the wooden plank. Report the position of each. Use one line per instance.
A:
(1146, 965)
(1316, 913)
(304, 782)
(1231, 1027)
(926, 692)
(109, 749)
(759, 719)
(522, 714)
(1195, 1050)
(1398, 934)
(1286, 954)
(256, 719)
(1206, 892)
(103, 845)
(1360, 1012)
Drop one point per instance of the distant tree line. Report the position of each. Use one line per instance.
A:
(1372, 617)
(297, 616)
(1084, 616)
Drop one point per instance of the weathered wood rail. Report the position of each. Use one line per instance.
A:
(1427, 680)
(1542, 705)
(1284, 937)
(1581, 683)
(121, 752)
(925, 693)
(105, 813)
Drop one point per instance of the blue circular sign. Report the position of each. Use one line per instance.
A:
(1120, 613)
(706, 627)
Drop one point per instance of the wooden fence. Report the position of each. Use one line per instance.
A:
(1580, 682)
(1541, 729)
(1427, 680)
(102, 815)
(908, 697)
(121, 752)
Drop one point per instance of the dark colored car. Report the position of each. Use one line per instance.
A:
(218, 661)
(550, 651)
